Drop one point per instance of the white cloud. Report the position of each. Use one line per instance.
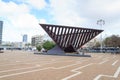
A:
(17, 21)
(12, 9)
(25, 21)
(86, 13)
(42, 21)
(64, 12)
(37, 4)
(94, 8)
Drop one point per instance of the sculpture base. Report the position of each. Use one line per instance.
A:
(56, 50)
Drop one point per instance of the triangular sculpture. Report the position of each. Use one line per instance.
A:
(70, 38)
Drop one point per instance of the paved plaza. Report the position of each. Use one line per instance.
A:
(22, 65)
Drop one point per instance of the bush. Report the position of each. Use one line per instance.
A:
(48, 45)
(39, 48)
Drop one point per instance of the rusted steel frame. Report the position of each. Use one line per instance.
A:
(77, 39)
(77, 30)
(60, 40)
(91, 37)
(98, 32)
(72, 37)
(58, 34)
(66, 26)
(81, 41)
(83, 37)
(52, 31)
(67, 36)
(55, 33)
(47, 29)
(64, 37)
(69, 42)
(52, 34)
(86, 35)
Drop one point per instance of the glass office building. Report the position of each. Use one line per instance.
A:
(25, 38)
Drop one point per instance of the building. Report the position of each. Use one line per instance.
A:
(11, 45)
(1, 28)
(25, 38)
(36, 40)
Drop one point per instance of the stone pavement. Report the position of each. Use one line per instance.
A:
(21, 65)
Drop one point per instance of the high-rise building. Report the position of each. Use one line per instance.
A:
(37, 40)
(1, 28)
(25, 38)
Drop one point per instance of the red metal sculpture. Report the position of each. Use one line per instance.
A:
(70, 38)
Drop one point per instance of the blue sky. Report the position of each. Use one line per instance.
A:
(23, 16)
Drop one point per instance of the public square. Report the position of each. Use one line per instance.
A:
(24, 65)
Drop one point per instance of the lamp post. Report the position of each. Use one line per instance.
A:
(101, 22)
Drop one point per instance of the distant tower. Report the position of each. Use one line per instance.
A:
(1, 28)
(25, 38)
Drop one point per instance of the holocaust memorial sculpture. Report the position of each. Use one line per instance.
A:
(69, 39)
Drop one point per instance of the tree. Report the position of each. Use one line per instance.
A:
(112, 41)
(48, 45)
(97, 44)
(27, 44)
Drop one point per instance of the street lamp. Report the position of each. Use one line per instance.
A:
(101, 22)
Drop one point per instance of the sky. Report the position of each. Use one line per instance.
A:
(23, 16)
